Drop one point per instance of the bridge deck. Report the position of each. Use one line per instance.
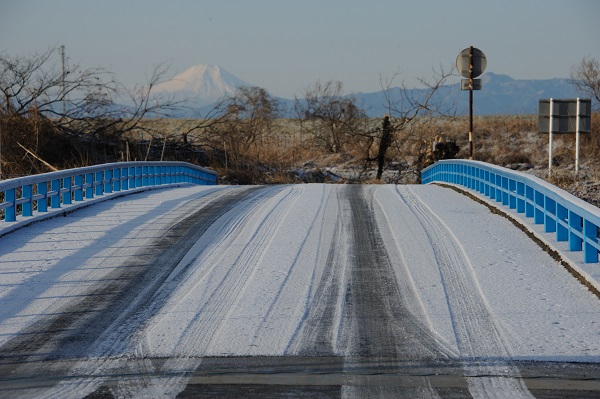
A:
(329, 290)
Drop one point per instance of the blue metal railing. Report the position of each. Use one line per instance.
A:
(25, 196)
(571, 218)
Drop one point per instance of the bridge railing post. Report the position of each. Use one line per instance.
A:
(575, 232)
(67, 190)
(27, 206)
(54, 193)
(89, 183)
(550, 213)
(520, 197)
(562, 220)
(590, 236)
(117, 179)
(10, 212)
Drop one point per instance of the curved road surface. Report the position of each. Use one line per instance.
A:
(308, 291)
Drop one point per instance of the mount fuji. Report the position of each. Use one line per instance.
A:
(202, 85)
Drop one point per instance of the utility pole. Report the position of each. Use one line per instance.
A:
(61, 50)
(1, 119)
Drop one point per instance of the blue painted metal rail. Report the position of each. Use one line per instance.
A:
(571, 218)
(24, 197)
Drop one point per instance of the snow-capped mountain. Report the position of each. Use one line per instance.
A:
(202, 84)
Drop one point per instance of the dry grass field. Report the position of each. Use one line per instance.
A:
(288, 151)
(514, 142)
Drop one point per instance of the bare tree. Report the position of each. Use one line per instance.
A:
(37, 97)
(586, 77)
(410, 111)
(250, 115)
(76, 100)
(39, 100)
(238, 126)
(329, 115)
(205, 131)
(35, 84)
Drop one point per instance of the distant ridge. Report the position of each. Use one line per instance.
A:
(500, 95)
(205, 85)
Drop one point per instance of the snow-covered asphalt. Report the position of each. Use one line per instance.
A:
(342, 291)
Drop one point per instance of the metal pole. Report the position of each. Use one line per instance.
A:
(577, 138)
(62, 80)
(550, 128)
(1, 146)
(471, 103)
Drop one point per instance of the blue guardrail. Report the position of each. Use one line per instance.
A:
(24, 197)
(571, 218)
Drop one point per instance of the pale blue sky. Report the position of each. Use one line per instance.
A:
(285, 46)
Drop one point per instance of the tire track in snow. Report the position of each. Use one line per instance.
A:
(101, 323)
(209, 252)
(224, 280)
(235, 280)
(284, 295)
(75, 328)
(388, 218)
(382, 333)
(479, 339)
(374, 293)
(318, 333)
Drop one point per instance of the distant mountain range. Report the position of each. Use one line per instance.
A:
(500, 94)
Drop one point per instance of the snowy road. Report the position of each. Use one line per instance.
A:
(341, 291)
